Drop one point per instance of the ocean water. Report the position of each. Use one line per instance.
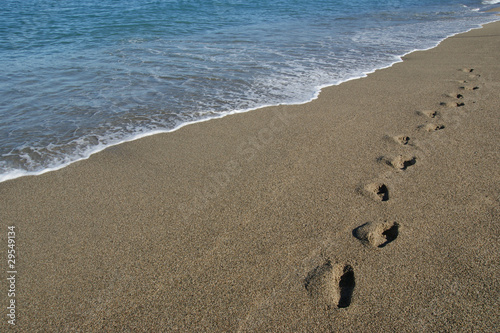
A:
(79, 76)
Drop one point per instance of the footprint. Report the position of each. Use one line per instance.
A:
(428, 113)
(377, 234)
(401, 162)
(455, 95)
(331, 285)
(402, 139)
(452, 104)
(432, 127)
(377, 191)
(469, 87)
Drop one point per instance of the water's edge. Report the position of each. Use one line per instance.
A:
(20, 173)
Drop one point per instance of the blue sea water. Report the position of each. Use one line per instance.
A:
(79, 76)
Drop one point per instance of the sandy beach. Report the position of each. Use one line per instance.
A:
(374, 208)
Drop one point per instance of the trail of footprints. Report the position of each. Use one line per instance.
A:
(331, 283)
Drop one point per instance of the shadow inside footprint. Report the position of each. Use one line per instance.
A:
(390, 234)
(346, 287)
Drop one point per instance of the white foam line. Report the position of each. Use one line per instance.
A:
(19, 173)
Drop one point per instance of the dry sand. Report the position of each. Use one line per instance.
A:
(374, 208)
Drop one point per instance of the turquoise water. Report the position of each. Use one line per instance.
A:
(78, 76)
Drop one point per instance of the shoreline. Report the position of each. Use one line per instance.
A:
(371, 208)
(22, 173)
